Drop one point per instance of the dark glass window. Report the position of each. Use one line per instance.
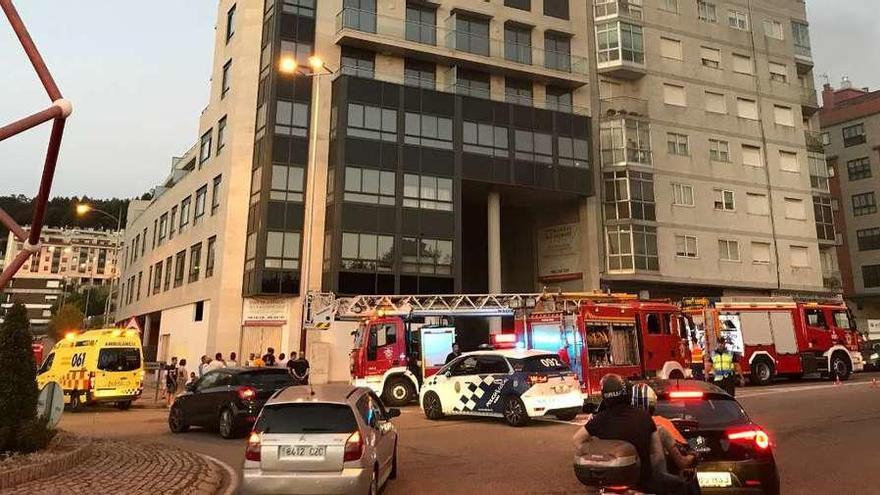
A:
(426, 256)
(420, 74)
(824, 218)
(869, 239)
(291, 118)
(201, 198)
(205, 146)
(557, 52)
(364, 185)
(195, 260)
(871, 275)
(428, 130)
(854, 135)
(632, 246)
(302, 8)
(215, 194)
(556, 8)
(287, 183)
(864, 204)
(221, 134)
(157, 278)
(629, 195)
(179, 268)
(472, 82)
(230, 23)
(359, 14)
(369, 122)
(485, 139)
(859, 169)
(119, 359)
(210, 257)
(518, 43)
(533, 146)
(297, 50)
(559, 99)
(226, 79)
(282, 250)
(427, 192)
(184, 213)
(472, 34)
(421, 24)
(573, 152)
(518, 91)
(168, 268)
(367, 252)
(360, 63)
(519, 4)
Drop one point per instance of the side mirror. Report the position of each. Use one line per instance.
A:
(392, 413)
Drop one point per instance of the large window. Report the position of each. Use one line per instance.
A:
(518, 43)
(859, 168)
(632, 247)
(426, 256)
(573, 152)
(215, 194)
(157, 278)
(557, 52)
(421, 23)
(801, 34)
(868, 239)
(360, 15)
(419, 74)
(533, 146)
(428, 130)
(485, 139)
(179, 268)
(221, 134)
(195, 261)
(427, 192)
(853, 135)
(519, 4)
(864, 204)
(369, 252)
(685, 246)
(184, 213)
(626, 141)
(302, 8)
(824, 218)
(818, 171)
(556, 8)
(728, 250)
(210, 256)
(707, 11)
(291, 118)
(226, 79)
(282, 250)
(287, 183)
(871, 276)
(471, 34)
(369, 122)
(518, 91)
(360, 63)
(201, 199)
(629, 195)
(364, 185)
(472, 82)
(205, 146)
(620, 41)
(168, 270)
(682, 195)
(559, 99)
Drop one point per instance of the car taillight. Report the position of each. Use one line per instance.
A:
(354, 447)
(533, 379)
(247, 393)
(751, 435)
(252, 452)
(685, 394)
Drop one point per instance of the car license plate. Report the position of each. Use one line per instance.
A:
(303, 450)
(714, 480)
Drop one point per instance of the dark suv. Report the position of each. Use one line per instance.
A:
(227, 399)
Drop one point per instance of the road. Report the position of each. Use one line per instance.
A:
(826, 438)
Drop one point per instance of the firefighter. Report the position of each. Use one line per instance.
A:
(698, 367)
(723, 368)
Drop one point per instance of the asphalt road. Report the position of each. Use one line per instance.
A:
(827, 440)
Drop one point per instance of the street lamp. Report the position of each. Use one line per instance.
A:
(83, 209)
(289, 66)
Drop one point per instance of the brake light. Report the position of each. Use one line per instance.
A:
(685, 394)
(354, 447)
(756, 435)
(533, 379)
(252, 452)
(247, 393)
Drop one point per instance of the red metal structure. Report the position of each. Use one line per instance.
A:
(57, 112)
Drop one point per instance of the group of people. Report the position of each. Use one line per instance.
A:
(297, 364)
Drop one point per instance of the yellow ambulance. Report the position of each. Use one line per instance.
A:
(96, 366)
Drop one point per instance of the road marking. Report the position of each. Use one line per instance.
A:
(233, 476)
(799, 389)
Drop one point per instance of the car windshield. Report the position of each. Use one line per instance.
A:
(267, 379)
(119, 359)
(548, 363)
(306, 418)
(708, 413)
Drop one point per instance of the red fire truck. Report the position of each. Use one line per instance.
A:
(781, 336)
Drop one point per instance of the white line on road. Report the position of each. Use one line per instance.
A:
(745, 395)
(233, 476)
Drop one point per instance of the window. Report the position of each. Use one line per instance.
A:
(168, 268)
(282, 250)
(221, 134)
(868, 239)
(826, 138)
(201, 198)
(215, 195)
(419, 74)
(682, 195)
(818, 171)
(287, 183)
(205, 146)
(620, 41)
(157, 278)
(210, 256)
(518, 91)
(670, 48)
(360, 15)
(230, 23)
(724, 200)
(751, 156)
(864, 204)
(742, 64)
(823, 213)
(757, 204)
(761, 253)
(715, 102)
(519, 4)
(706, 11)
(685, 246)
(184, 213)
(737, 20)
(195, 259)
(871, 275)
(517, 43)
(369, 252)
(472, 34)
(625, 140)
(677, 144)
(426, 192)
(428, 130)
(226, 79)
(853, 135)
(179, 268)
(747, 109)
(557, 52)
(359, 63)
(485, 139)
(558, 99)
(728, 250)
(472, 82)
(773, 29)
(199, 315)
(783, 115)
(778, 72)
(788, 161)
(426, 256)
(794, 209)
(674, 95)
(291, 118)
(799, 256)
(369, 122)
(302, 8)
(629, 195)
(364, 185)
(669, 5)
(632, 247)
(801, 34)
(573, 152)
(859, 168)
(421, 24)
(710, 57)
(533, 146)
(556, 8)
(163, 228)
(297, 50)
(719, 151)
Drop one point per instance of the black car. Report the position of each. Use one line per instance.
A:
(226, 399)
(736, 456)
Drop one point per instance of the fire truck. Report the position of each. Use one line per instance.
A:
(780, 336)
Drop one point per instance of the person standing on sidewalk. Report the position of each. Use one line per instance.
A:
(232, 362)
(182, 376)
(269, 357)
(170, 381)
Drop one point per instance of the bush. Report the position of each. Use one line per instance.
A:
(20, 429)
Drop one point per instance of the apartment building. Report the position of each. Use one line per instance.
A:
(850, 119)
(68, 257)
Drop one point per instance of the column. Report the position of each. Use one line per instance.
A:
(493, 230)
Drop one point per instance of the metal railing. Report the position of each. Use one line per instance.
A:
(616, 107)
(803, 51)
(623, 8)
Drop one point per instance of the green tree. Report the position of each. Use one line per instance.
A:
(67, 318)
(20, 429)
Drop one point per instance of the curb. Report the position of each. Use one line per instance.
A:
(61, 463)
(232, 487)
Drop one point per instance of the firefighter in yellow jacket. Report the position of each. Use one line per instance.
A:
(724, 368)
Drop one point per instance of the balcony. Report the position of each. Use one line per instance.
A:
(803, 57)
(809, 101)
(625, 141)
(608, 9)
(620, 50)
(814, 141)
(449, 46)
(618, 107)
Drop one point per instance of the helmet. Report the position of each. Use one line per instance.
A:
(615, 389)
(644, 397)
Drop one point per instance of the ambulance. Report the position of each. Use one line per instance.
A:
(96, 366)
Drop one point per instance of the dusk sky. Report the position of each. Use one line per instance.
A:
(139, 77)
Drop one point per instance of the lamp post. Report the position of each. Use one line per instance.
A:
(317, 68)
(83, 209)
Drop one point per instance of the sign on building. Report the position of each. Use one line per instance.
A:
(559, 253)
(264, 311)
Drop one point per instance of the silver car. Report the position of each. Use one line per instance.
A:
(321, 439)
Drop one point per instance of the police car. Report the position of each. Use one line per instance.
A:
(516, 385)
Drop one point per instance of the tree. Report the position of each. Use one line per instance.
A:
(67, 318)
(20, 429)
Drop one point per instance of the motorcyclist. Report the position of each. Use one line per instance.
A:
(619, 420)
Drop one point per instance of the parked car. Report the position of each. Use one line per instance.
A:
(321, 439)
(226, 399)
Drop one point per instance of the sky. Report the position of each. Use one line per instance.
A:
(138, 78)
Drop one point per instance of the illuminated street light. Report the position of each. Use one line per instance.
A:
(316, 63)
(83, 208)
(288, 65)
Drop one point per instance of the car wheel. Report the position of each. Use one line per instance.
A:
(123, 405)
(515, 411)
(227, 424)
(432, 407)
(398, 392)
(393, 474)
(762, 372)
(839, 368)
(176, 421)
